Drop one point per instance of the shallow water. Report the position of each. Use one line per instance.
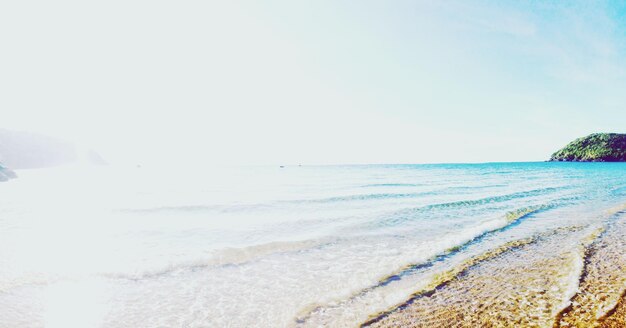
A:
(298, 246)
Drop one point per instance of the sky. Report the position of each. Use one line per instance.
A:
(313, 82)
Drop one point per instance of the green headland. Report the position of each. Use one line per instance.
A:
(597, 147)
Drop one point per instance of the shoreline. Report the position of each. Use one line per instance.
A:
(569, 277)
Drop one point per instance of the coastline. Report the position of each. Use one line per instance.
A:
(568, 277)
(329, 246)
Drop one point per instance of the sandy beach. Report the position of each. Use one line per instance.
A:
(568, 277)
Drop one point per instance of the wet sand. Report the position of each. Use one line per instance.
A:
(569, 277)
(602, 283)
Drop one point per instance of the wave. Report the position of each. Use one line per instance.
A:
(601, 285)
(494, 199)
(276, 204)
(508, 220)
(223, 208)
(359, 197)
(409, 214)
(197, 208)
(442, 279)
(225, 257)
(520, 283)
(570, 258)
(584, 304)
(220, 258)
(464, 188)
(392, 185)
(239, 256)
(619, 191)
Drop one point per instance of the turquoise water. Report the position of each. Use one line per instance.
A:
(266, 246)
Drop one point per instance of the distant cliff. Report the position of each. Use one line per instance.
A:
(25, 150)
(597, 147)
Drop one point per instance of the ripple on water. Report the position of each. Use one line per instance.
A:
(602, 283)
(571, 277)
(525, 285)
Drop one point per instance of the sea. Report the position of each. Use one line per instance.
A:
(270, 246)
